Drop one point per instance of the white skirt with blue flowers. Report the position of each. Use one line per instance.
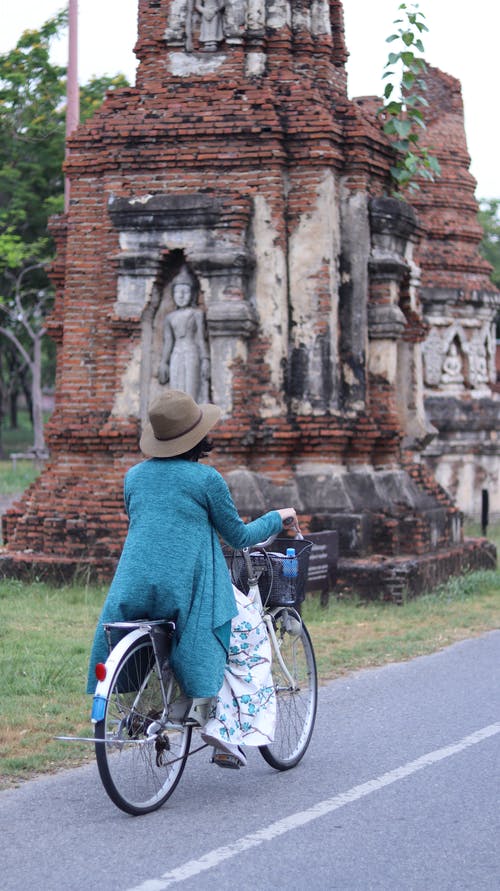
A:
(244, 712)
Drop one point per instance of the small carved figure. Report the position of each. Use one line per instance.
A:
(255, 15)
(452, 366)
(433, 354)
(211, 30)
(478, 359)
(184, 363)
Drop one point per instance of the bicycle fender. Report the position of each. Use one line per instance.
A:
(102, 689)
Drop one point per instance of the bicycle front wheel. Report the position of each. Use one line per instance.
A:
(140, 753)
(296, 702)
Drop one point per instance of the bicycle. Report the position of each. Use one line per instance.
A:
(143, 724)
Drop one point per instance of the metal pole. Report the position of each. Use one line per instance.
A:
(72, 89)
(485, 507)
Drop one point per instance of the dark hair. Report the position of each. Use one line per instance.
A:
(200, 450)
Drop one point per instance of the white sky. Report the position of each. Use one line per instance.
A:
(463, 44)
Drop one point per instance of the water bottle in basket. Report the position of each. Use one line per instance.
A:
(290, 573)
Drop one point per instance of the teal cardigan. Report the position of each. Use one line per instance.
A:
(172, 565)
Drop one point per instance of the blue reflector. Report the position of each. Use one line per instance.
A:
(98, 708)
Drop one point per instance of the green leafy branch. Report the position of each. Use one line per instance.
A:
(404, 101)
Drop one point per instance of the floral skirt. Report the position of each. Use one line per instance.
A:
(244, 712)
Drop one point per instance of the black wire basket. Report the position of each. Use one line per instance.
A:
(277, 588)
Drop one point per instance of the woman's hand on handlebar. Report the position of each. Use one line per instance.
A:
(289, 519)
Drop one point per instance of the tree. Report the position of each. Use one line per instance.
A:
(25, 314)
(32, 143)
(93, 93)
(32, 91)
(402, 116)
(489, 217)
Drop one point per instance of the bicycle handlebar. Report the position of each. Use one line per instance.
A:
(269, 541)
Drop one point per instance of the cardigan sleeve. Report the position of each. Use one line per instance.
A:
(228, 522)
(126, 495)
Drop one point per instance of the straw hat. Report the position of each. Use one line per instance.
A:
(176, 424)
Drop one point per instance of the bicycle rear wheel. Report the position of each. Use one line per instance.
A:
(144, 755)
(296, 704)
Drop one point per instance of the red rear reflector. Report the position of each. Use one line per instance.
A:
(100, 671)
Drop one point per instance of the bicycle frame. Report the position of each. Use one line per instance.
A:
(255, 597)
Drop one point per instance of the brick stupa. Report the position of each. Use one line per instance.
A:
(237, 160)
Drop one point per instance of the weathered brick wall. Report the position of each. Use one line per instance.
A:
(447, 208)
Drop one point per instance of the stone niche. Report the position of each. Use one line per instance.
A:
(460, 351)
(160, 234)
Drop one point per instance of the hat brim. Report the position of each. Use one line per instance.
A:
(169, 448)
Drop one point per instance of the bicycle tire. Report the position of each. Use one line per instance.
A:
(295, 708)
(144, 755)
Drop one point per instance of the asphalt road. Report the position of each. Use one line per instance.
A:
(399, 791)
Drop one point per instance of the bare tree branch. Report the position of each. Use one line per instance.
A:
(17, 343)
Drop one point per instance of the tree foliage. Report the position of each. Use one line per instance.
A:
(404, 101)
(489, 217)
(32, 147)
(93, 93)
(31, 133)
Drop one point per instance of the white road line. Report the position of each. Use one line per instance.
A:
(218, 855)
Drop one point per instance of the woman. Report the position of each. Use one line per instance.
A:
(172, 566)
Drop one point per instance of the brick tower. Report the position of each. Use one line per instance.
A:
(459, 304)
(238, 164)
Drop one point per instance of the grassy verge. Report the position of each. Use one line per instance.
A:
(352, 635)
(46, 633)
(349, 635)
(15, 481)
(20, 438)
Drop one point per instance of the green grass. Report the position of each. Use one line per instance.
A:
(13, 482)
(354, 634)
(20, 438)
(45, 636)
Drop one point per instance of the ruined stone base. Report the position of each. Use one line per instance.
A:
(394, 579)
(388, 511)
(465, 457)
(399, 532)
